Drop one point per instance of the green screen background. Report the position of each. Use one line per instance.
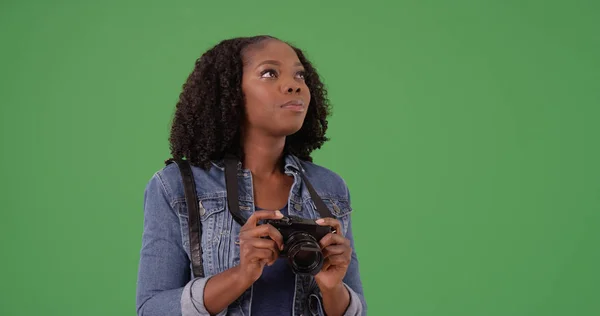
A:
(467, 132)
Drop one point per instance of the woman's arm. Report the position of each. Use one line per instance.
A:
(346, 298)
(164, 266)
(211, 296)
(353, 283)
(164, 287)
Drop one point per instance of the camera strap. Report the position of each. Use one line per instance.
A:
(194, 224)
(231, 182)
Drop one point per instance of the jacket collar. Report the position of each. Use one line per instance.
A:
(290, 163)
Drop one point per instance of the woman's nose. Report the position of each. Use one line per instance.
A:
(291, 87)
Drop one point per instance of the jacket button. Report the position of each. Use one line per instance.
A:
(336, 208)
(202, 209)
(298, 207)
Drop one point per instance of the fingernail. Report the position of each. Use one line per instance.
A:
(278, 214)
(320, 221)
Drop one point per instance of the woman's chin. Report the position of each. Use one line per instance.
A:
(286, 130)
(292, 131)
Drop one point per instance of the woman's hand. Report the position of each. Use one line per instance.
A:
(255, 251)
(337, 254)
(222, 289)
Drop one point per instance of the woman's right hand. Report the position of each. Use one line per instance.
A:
(222, 289)
(255, 251)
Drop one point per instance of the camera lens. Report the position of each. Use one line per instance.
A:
(304, 254)
(305, 258)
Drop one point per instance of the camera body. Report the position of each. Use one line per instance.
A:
(301, 238)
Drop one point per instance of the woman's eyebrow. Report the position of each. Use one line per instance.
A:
(276, 63)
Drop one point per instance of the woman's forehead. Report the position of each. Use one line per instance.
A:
(270, 50)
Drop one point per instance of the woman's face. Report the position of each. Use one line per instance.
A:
(273, 84)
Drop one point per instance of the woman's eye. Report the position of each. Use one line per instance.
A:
(269, 73)
(301, 74)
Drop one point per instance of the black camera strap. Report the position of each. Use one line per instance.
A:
(321, 207)
(194, 223)
(231, 184)
(231, 167)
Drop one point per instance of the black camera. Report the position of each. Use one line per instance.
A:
(301, 243)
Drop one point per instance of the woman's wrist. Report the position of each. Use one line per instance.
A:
(336, 289)
(241, 277)
(335, 299)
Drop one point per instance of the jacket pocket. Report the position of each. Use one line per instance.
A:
(216, 233)
(209, 207)
(211, 212)
(340, 209)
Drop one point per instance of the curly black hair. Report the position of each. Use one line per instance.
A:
(209, 113)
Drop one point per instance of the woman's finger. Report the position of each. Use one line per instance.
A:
(339, 260)
(333, 239)
(264, 230)
(260, 215)
(335, 250)
(328, 221)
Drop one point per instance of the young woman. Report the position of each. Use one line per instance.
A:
(260, 100)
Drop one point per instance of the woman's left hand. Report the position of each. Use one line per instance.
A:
(337, 254)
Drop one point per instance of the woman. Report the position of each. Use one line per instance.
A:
(260, 100)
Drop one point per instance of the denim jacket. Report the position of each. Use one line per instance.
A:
(166, 285)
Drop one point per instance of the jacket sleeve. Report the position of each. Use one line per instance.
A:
(352, 281)
(164, 284)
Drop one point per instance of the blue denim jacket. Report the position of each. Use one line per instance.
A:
(166, 285)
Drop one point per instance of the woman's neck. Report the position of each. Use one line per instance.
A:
(262, 154)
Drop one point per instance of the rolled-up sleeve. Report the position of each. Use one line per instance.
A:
(164, 284)
(191, 300)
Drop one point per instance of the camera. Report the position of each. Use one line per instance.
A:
(301, 243)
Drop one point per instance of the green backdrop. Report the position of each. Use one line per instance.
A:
(467, 132)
